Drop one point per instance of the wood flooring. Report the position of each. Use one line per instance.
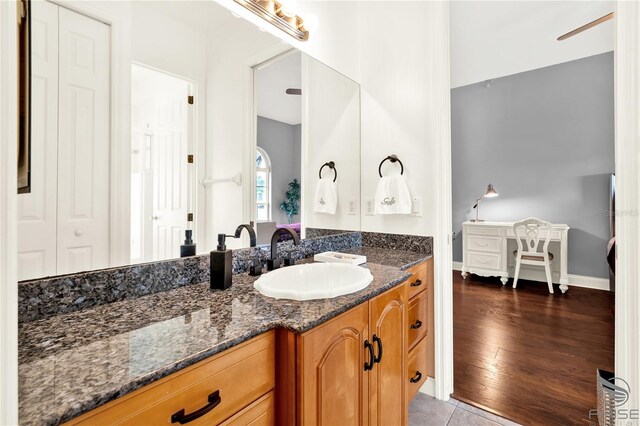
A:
(528, 355)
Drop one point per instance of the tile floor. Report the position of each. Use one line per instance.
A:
(427, 411)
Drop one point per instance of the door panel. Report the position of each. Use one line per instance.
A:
(170, 169)
(334, 385)
(37, 209)
(83, 145)
(387, 390)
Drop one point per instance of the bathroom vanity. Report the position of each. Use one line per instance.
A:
(192, 355)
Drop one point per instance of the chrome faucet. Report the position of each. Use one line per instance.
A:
(275, 262)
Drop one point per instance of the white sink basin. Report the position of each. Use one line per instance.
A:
(313, 281)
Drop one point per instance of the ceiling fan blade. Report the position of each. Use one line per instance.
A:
(585, 27)
(293, 91)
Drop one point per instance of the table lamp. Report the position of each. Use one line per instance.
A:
(489, 193)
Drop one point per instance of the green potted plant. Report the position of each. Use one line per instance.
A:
(291, 205)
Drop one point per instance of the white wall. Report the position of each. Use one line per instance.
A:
(371, 43)
(330, 132)
(395, 73)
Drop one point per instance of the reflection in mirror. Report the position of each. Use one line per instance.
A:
(279, 142)
(141, 131)
(307, 128)
(161, 182)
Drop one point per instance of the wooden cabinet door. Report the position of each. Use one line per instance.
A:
(333, 383)
(387, 387)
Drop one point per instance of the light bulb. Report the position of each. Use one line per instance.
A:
(310, 23)
(289, 8)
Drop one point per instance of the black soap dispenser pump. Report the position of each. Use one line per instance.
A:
(220, 266)
(188, 248)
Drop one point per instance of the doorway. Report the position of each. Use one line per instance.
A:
(162, 176)
(538, 124)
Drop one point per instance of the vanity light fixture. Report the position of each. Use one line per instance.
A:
(280, 14)
(489, 193)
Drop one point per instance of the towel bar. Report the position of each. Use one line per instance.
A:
(393, 158)
(332, 166)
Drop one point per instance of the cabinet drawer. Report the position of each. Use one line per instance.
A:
(484, 244)
(418, 321)
(260, 413)
(240, 375)
(417, 368)
(418, 281)
(483, 260)
(482, 230)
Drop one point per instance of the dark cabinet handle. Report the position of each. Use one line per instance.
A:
(378, 341)
(416, 325)
(369, 365)
(182, 418)
(416, 283)
(416, 378)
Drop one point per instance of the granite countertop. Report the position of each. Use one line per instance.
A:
(395, 258)
(72, 363)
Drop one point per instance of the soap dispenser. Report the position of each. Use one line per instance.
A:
(220, 266)
(188, 248)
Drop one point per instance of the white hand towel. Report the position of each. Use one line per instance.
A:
(392, 196)
(326, 196)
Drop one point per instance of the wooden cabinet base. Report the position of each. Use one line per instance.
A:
(240, 376)
(417, 368)
(359, 368)
(260, 413)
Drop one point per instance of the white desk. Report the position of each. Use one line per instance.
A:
(487, 250)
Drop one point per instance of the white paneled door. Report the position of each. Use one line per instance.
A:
(170, 171)
(37, 210)
(161, 184)
(65, 220)
(83, 145)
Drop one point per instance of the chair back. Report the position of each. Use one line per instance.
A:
(532, 228)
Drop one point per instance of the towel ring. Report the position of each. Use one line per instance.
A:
(393, 158)
(332, 166)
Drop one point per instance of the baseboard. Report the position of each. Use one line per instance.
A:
(588, 282)
(429, 387)
(574, 280)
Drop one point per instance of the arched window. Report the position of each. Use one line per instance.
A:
(263, 185)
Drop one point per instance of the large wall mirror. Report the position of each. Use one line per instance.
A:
(149, 119)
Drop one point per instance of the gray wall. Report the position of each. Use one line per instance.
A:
(545, 139)
(281, 141)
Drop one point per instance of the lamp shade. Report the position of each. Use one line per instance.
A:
(490, 193)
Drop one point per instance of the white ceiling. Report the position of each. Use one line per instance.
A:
(491, 39)
(271, 81)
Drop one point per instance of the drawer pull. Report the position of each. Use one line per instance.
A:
(182, 418)
(369, 365)
(377, 340)
(416, 378)
(478, 243)
(416, 325)
(416, 283)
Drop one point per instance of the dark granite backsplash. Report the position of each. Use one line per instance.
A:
(321, 232)
(47, 297)
(415, 243)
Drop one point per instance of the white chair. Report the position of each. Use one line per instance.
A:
(532, 228)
